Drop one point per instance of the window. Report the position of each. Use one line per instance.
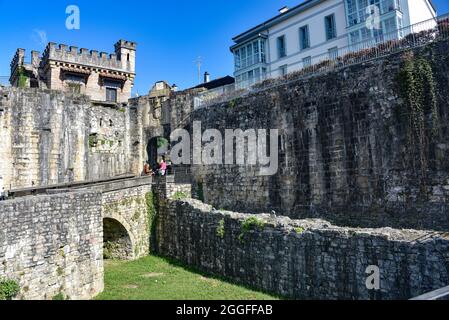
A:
(400, 26)
(250, 54)
(281, 47)
(74, 78)
(352, 12)
(283, 70)
(390, 25)
(304, 38)
(256, 58)
(378, 34)
(307, 62)
(366, 33)
(111, 94)
(359, 10)
(331, 29)
(333, 53)
(73, 87)
(354, 37)
(237, 59)
(251, 77)
(262, 50)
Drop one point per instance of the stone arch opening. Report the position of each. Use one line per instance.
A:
(156, 148)
(117, 243)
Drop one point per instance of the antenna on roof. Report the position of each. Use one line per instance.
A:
(199, 62)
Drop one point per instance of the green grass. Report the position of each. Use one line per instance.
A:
(155, 278)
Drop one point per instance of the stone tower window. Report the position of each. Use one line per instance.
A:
(111, 94)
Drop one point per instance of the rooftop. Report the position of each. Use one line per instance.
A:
(277, 19)
(307, 4)
(220, 82)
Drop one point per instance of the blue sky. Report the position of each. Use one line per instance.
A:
(170, 34)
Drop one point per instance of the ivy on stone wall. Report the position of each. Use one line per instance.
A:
(250, 224)
(418, 90)
(152, 209)
(22, 78)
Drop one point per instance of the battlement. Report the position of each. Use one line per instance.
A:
(105, 77)
(18, 60)
(125, 44)
(91, 58)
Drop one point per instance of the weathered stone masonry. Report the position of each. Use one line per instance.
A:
(52, 244)
(50, 137)
(303, 259)
(125, 209)
(55, 243)
(343, 148)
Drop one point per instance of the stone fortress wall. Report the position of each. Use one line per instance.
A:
(344, 157)
(52, 244)
(348, 149)
(303, 259)
(49, 137)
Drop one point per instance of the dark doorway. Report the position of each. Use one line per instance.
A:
(117, 243)
(156, 148)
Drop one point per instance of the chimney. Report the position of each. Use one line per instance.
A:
(283, 9)
(206, 77)
(174, 88)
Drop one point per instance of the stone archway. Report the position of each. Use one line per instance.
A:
(117, 242)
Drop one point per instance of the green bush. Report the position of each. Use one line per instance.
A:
(249, 224)
(179, 196)
(59, 297)
(9, 289)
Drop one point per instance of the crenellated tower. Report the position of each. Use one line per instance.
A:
(126, 54)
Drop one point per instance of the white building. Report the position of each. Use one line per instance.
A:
(294, 38)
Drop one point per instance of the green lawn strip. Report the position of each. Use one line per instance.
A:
(156, 278)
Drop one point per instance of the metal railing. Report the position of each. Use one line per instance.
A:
(405, 38)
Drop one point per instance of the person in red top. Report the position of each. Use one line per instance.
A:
(163, 167)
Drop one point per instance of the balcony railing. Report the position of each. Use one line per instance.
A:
(398, 40)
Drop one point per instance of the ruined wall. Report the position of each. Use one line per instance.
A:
(303, 259)
(349, 149)
(50, 137)
(52, 244)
